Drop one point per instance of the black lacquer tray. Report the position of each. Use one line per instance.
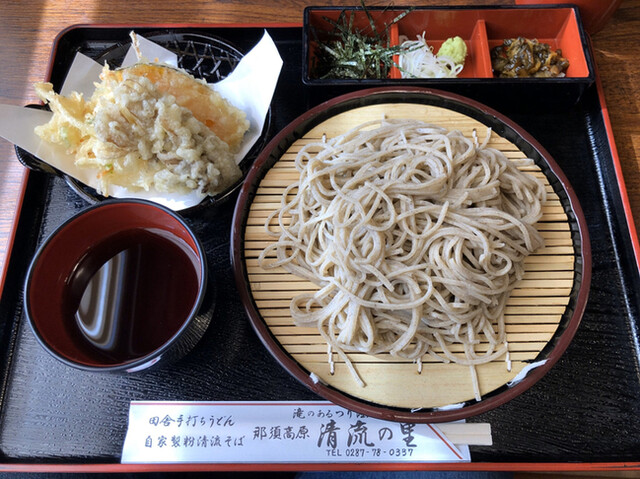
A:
(584, 411)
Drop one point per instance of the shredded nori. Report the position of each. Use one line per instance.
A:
(349, 53)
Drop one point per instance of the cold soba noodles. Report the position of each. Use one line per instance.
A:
(415, 236)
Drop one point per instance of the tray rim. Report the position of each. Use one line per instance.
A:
(630, 233)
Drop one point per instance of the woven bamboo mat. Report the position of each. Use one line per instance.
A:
(532, 315)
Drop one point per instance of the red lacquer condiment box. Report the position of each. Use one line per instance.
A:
(481, 28)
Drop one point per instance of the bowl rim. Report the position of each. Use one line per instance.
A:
(152, 357)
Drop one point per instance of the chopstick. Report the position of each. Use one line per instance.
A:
(471, 434)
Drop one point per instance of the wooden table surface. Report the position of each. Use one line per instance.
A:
(29, 27)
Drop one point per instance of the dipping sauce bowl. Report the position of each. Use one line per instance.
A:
(121, 286)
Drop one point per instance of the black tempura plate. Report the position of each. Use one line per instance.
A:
(206, 57)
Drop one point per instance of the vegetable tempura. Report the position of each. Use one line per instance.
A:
(149, 126)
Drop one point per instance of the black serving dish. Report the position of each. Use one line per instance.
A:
(585, 410)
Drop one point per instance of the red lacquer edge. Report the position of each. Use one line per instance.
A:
(14, 228)
(133, 27)
(618, 169)
(445, 466)
(467, 466)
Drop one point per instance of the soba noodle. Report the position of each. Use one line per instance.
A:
(415, 236)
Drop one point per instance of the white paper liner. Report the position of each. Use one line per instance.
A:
(250, 87)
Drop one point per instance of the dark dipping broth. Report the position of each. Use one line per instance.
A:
(130, 294)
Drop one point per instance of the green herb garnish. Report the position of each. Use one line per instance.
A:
(349, 53)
